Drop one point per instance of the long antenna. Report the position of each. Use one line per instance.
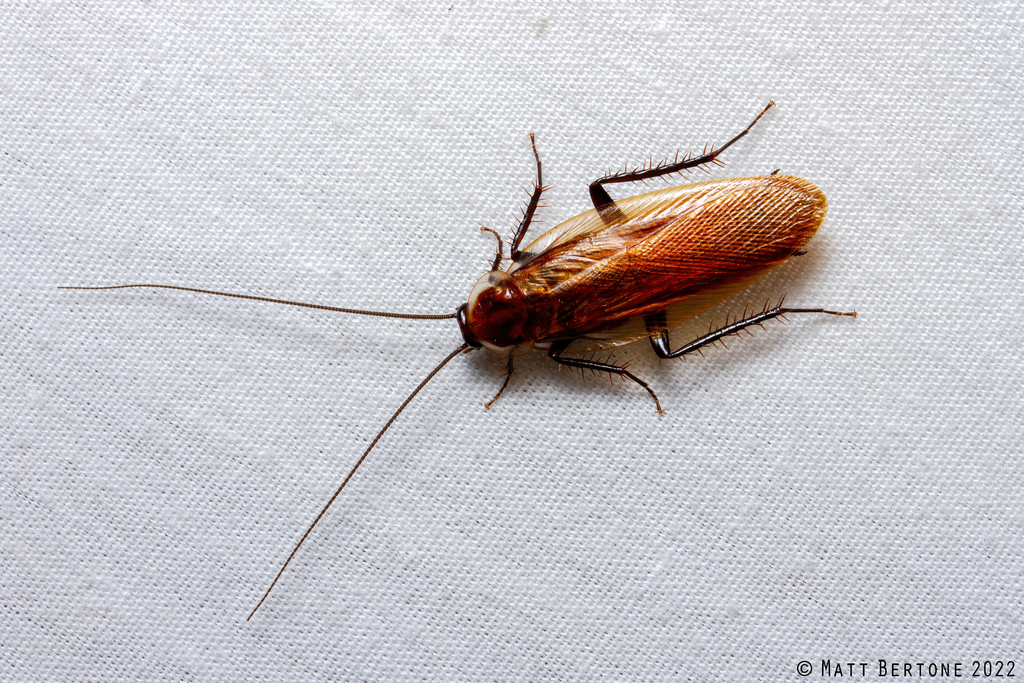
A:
(379, 314)
(356, 467)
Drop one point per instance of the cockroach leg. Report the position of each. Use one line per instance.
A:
(602, 199)
(660, 343)
(531, 208)
(498, 255)
(508, 376)
(583, 364)
(656, 323)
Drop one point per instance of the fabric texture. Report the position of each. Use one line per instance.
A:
(833, 489)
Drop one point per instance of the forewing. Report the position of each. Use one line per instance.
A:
(636, 328)
(674, 252)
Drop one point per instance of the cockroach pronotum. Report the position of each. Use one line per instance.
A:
(624, 271)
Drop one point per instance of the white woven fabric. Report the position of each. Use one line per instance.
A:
(834, 489)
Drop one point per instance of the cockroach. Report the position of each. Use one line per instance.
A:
(626, 270)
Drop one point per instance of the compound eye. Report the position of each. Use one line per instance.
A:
(467, 336)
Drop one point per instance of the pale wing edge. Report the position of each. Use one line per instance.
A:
(634, 329)
(590, 222)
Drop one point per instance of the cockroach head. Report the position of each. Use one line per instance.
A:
(497, 316)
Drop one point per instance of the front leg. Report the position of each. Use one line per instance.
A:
(508, 376)
(531, 208)
(559, 347)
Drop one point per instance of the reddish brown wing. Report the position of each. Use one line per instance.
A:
(675, 252)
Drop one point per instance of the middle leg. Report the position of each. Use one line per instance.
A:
(556, 355)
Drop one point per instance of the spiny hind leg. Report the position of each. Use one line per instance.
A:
(660, 342)
(601, 198)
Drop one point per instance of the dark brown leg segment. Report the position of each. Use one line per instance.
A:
(508, 376)
(498, 253)
(601, 198)
(583, 364)
(531, 207)
(660, 343)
